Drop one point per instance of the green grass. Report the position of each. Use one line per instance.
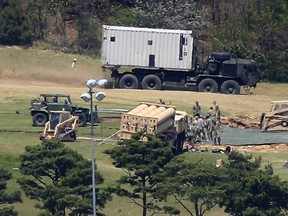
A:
(50, 72)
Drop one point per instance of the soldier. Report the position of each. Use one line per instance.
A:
(194, 111)
(210, 112)
(209, 123)
(217, 133)
(195, 125)
(201, 132)
(191, 133)
(205, 128)
(162, 101)
(217, 113)
(198, 108)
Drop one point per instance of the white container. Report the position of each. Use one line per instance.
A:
(146, 48)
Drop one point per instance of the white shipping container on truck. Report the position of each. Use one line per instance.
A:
(155, 59)
(146, 47)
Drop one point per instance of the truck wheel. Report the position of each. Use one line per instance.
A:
(128, 81)
(82, 120)
(208, 85)
(230, 87)
(221, 56)
(151, 82)
(40, 119)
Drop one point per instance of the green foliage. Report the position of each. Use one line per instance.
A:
(125, 17)
(141, 157)
(261, 29)
(8, 212)
(181, 14)
(15, 28)
(88, 40)
(60, 178)
(6, 198)
(198, 183)
(251, 191)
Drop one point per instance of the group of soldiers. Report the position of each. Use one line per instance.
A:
(204, 127)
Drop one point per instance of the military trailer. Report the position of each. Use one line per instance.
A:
(154, 59)
(163, 121)
(276, 118)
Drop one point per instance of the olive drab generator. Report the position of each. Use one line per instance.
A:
(146, 58)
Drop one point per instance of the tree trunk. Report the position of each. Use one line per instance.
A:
(144, 199)
(196, 208)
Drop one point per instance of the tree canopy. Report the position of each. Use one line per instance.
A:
(249, 190)
(6, 198)
(60, 178)
(198, 183)
(141, 158)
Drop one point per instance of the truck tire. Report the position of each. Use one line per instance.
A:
(221, 56)
(128, 81)
(151, 82)
(208, 85)
(40, 119)
(82, 120)
(230, 87)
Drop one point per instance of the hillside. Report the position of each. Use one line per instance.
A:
(46, 66)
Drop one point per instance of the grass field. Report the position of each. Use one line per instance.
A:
(25, 73)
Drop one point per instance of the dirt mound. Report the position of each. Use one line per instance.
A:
(248, 148)
(240, 122)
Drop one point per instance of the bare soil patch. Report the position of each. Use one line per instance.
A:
(249, 148)
(109, 119)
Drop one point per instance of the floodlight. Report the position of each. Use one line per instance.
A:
(102, 83)
(100, 96)
(91, 83)
(86, 97)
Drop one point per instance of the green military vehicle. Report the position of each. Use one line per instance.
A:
(40, 109)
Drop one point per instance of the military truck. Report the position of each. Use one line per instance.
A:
(42, 106)
(276, 118)
(163, 121)
(154, 59)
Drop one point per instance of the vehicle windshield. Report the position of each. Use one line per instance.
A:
(54, 120)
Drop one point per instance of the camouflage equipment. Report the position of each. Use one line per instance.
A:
(61, 125)
(40, 109)
(276, 118)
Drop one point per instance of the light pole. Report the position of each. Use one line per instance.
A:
(88, 96)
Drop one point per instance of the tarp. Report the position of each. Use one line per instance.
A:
(236, 136)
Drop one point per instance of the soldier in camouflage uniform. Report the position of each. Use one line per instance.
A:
(216, 133)
(198, 108)
(209, 125)
(217, 113)
(192, 134)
